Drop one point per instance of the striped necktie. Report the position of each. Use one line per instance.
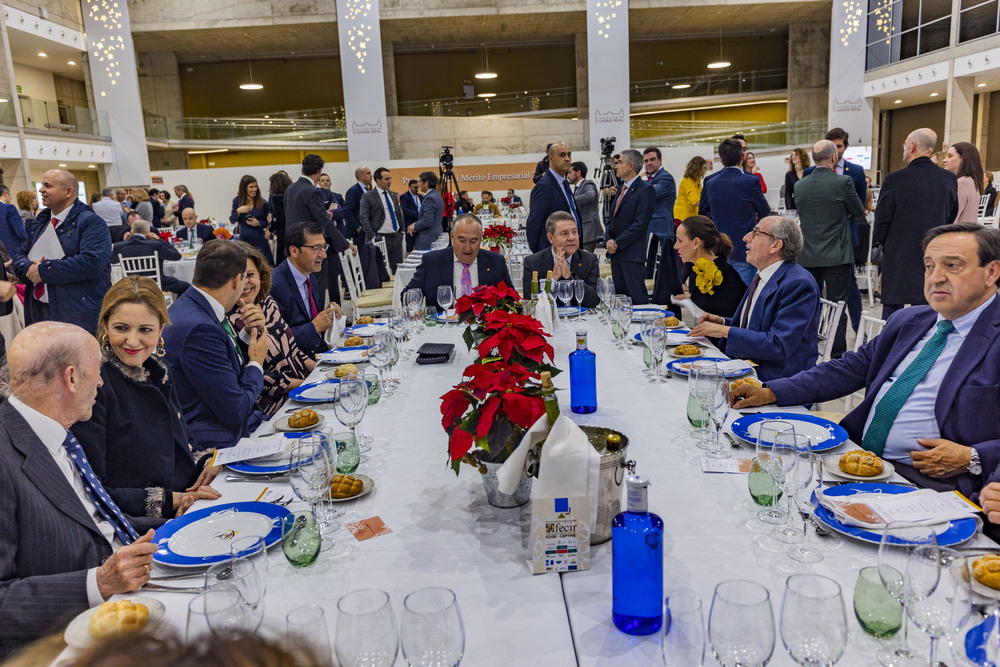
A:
(95, 491)
(892, 402)
(232, 336)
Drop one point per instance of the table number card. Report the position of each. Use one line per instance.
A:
(560, 535)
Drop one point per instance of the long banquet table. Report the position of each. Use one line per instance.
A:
(444, 532)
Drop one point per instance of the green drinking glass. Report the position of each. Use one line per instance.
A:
(374, 391)
(348, 454)
(300, 538)
(762, 486)
(878, 613)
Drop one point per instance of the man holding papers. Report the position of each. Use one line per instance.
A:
(66, 260)
(932, 377)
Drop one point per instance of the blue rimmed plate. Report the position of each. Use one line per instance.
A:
(823, 433)
(958, 531)
(444, 318)
(567, 311)
(638, 337)
(203, 537)
(682, 366)
(270, 465)
(315, 392)
(365, 330)
(640, 313)
(344, 355)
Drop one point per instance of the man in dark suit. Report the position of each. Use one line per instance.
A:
(550, 194)
(914, 199)
(777, 321)
(191, 224)
(381, 217)
(426, 228)
(585, 197)
(352, 211)
(64, 548)
(630, 214)
(661, 226)
(734, 202)
(464, 266)
(826, 202)
(141, 242)
(12, 233)
(296, 291)
(72, 288)
(409, 202)
(564, 258)
(511, 198)
(931, 377)
(217, 381)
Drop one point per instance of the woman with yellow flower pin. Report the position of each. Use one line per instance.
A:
(713, 284)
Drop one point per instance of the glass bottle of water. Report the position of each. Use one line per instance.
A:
(637, 564)
(582, 377)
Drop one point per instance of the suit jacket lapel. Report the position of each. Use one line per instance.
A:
(485, 272)
(908, 337)
(231, 345)
(974, 348)
(764, 293)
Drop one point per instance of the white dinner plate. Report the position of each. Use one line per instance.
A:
(281, 424)
(831, 464)
(77, 634)
(367, 484)
(344, 355)
(365, 330)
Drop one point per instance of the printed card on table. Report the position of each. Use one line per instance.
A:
(250, 448)
(732, 466)
(368, 528)
(560, 535)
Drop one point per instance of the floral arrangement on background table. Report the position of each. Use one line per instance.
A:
(707, 275)
(499, 396)
(498, 237)
(510, 204)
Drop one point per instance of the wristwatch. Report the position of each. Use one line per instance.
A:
(975, 467)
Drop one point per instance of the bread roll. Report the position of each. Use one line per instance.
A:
(345, 370)
(118, 617)
(687, 350)
(354, 341)
(671, 322)
(345, 486)
(365, 319)
(986, 570)
(303, 418)
(861, 463)
(753, 382)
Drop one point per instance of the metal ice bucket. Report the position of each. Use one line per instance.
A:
(613, 469)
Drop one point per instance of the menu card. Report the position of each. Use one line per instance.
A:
(736, 365)
(249, 448)
(725, 465)
(874, 510)
(560, 535)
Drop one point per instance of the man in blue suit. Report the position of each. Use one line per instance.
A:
(191, 225)
(352, 199)
(141, 242)
(734, 202)
(12, 233)
(217, 381)
(72, 288)
(661, 226)
(409, 202)
(551, 193)
(296, 291)
(627, 228)
(931, 377)
(426, 229)
(777, 321)
(464, 266)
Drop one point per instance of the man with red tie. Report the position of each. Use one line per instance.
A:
(296, 292)
(69, 288)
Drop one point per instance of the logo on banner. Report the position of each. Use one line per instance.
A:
(846, 106)
(609, 116)
(366, 128)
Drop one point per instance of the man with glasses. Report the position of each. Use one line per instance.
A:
(296, 291)
(777, 322)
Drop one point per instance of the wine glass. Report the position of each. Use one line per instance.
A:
(806, 495)
(351, 401)
(380, 354)
(579, 291)
(798, 479)
(445, 297)
(898, 540)
(766, 437)
(602, 294)
(254, 549)
(308, 623)
(624, 317)
(741, 624)
(932, 582)
(412, 301)
(309, 471)
(241, 574)
(219, 611)
(683, 631)
(431, 632)
(564, 292)
(398, 324)
(813, 620)
(975, 641)
(713, 398)
(645, 332)
(364, 440)
(697, 417)
(366, 633)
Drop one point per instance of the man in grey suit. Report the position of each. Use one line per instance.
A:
(381, 217)
(60, 552)
(826, 202)
(565, 259)
(428, 225)
(585, 196)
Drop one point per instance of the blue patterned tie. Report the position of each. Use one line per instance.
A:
(570, 201)
(392, 211)
(892, 402)
(95, 490)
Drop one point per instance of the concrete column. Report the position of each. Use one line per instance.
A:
(982, 134)
(16, 173)
(848, 107)
(808, 71)
(607, 71)
(389, 74)
(364, 81)
(958, 111)
(160, 85)
(582, 91)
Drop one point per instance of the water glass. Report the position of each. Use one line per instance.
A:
(798, 481)
(878, 613)
(218, 612)
(432, 634)
(715, 402)
(741, 624)
(348, 455)
(683, 631)
(698, 376)
(898, 540)
(366, 633)
(254, 549)
(399, 324)
(776, 462)
(241, 574)
(307, 625)
(445, 297)
(932, 585)
(380, 354)
(761, 485)
(579, 291)
(813, 620)
(309, 467)
(656, 342)
(351, 401)
(805, 493)
(564, 291)
(300, 538)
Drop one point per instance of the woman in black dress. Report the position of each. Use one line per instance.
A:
(713, 284)
(250, 212)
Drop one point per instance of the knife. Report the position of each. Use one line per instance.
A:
(274, 477)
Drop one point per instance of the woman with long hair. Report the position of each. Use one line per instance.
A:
(798, 162)
(750, 165)
(279, 182)
(963, 160)
(713, 284)
(250, 212)
(184, 200)
(689, 189)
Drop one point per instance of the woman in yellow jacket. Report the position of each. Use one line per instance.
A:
(689, 190)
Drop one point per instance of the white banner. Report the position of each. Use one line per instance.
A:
(849, 109)
(607, 72)
(364, 87)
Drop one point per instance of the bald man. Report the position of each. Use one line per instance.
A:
(65, 545)
(68, 288)
(913, 200)
(551, 193)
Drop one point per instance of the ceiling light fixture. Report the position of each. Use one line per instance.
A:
(897, 101)
(71, 62)
(42, 54)
(486, 73)
(721, 63)
(214, 150)
(982, 85)
(486, 95)
(250, 85)
(681, 86)
(91, 166)
(62, 164)
(934, 94)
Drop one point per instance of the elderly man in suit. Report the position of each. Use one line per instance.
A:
(777, 321)
(142, 242)
(585, 196)
(217, 376)
(627, 228)
(296, 291)
(409, 203)
(71, 288)
(66, 546)
(426, 229)
(382, 218)
(931, 377)
(564, 258)
(550, 194)
(914, 199)
(192, 226)
(733, 200)
(464, 266)
(352, 198)
(826, 202)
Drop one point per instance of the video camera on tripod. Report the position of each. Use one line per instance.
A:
(446, 160)
(605, 177)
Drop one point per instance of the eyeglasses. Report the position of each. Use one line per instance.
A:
(317, 248)
(760, 232)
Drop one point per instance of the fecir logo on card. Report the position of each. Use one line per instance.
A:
(366, 128)
(609, 116)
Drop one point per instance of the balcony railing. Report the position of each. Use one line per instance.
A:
(7, 115)
(325, 124)
(759, 135)
(705, 85)
(45, 115)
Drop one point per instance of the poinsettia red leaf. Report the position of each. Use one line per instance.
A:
(459, 443)
(523, 410)
(486, 415)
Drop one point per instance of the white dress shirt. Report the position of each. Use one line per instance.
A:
(457, 275)
(386, 227)
(765, 275)
(59, 217)
(916, 418)
(52, 434)
(220, 314)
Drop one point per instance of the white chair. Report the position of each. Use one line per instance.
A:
(867, 274)
(829, 317)
(653, 240)
(380, 244)
(984, 201)
(867, 329)
(147, 266)
(363, 301)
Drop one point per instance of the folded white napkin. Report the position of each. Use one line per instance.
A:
(874, 510)
(546, 313)
(334, 333)
(691, 307)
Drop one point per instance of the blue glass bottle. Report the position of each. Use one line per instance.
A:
(582, 377)
(637, 564)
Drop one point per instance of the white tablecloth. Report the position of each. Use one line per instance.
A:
(182, 270)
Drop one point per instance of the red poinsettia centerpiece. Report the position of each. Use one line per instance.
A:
(498, 236)
(510, 203)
